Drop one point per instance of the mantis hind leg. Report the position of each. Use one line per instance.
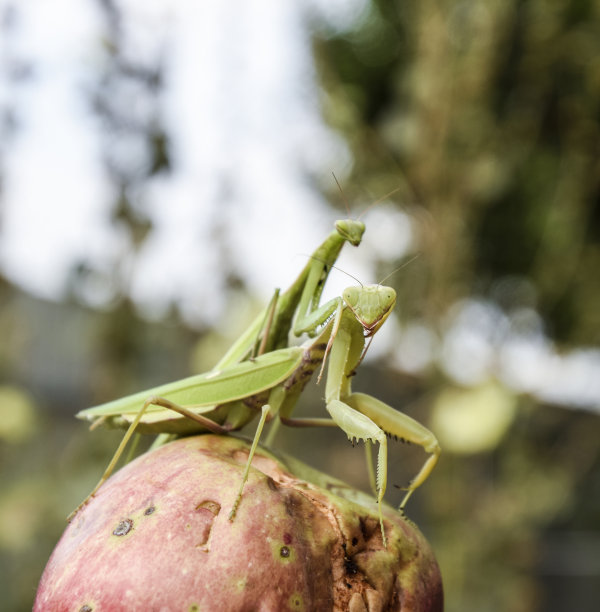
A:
(267, 411)
(404, 427)
(238, 498)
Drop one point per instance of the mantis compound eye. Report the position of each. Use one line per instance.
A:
(351, 295)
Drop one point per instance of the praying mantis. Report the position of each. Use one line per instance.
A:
(268, 332)
(229, 396)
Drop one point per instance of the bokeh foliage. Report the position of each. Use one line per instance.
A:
(487, 114)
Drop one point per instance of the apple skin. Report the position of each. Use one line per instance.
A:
(157, 537)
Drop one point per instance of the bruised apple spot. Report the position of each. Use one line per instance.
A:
(86, 608)
(212, 506)
(202, 538)
(123, 528)
(287, 538)
(285, 554)
(296, 602)
(206, 511)
(149, 510)
(292, 504)
(240, 456)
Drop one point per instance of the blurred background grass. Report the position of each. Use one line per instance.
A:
(485, 116)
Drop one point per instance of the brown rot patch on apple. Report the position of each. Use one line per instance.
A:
(284, 552)
(350, 567)
(293, 504)
(86, 608)
(123, 528)
(149, 510)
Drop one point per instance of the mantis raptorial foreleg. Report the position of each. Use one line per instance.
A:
(403, 427)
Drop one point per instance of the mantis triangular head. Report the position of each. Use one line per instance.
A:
(371, 305)
(350, 230)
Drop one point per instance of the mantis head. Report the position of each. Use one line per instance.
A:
(350, 230)
(371, 305)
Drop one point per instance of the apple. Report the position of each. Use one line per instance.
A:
(157, 536)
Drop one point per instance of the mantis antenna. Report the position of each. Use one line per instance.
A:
(378, 201)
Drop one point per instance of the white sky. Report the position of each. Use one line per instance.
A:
(241, 105)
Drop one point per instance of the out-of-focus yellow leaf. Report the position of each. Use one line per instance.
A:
(473, 420)
(17, 414)
(21, 515)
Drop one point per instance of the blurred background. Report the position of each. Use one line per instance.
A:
(164, 166)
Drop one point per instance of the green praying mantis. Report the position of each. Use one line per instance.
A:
(229, 396)
(292, 310)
